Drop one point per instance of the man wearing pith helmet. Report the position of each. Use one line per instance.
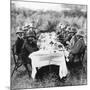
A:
(30, 29)
(29, 46)
(70, 35)
(19, 42)
(78, 49)
(19, 32)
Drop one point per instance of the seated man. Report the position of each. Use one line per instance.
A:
(29, 46)
(77, 50)
(69, 36)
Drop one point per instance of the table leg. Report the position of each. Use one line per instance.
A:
(63, 71)
(34, 71)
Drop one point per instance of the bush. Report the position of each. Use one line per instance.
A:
(46, 20)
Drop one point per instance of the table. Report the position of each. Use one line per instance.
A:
(46, 57)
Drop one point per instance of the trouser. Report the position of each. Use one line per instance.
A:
(27, 64)
(75, 64)
(73, 61)
(28, 68)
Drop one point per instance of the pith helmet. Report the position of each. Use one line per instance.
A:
(81, 33)
(19, 30)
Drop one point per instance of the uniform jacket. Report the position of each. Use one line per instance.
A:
(19, 43)
(26, 50)
(29, 48)
(78, 49)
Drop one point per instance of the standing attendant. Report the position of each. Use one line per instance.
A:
(19, 42)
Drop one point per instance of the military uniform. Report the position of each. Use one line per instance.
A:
(78, 49)
(28, 47)
(19, 43)
(77, 52)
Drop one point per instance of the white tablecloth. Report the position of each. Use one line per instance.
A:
(45, 57)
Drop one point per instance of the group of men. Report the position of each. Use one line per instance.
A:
(71, 38)
(25, 44)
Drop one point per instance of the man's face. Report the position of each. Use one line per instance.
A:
(78, 36)
(20, 35)
(30, 39)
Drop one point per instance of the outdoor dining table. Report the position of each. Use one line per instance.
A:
(49, 57)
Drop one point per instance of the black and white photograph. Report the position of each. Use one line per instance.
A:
(48, 44)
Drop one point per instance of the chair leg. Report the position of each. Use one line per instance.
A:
(15, 68)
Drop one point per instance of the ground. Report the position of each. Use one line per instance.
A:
(47, 77)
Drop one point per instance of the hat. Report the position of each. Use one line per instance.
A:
(29, 34)
(81, 33)
(27, 26)
(19, 30)
(73, 30)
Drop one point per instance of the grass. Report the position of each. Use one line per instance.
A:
(20, 16)
(46, 78)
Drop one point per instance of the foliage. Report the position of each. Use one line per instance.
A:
(46, 20)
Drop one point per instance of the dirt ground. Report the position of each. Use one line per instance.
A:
(47, 77)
